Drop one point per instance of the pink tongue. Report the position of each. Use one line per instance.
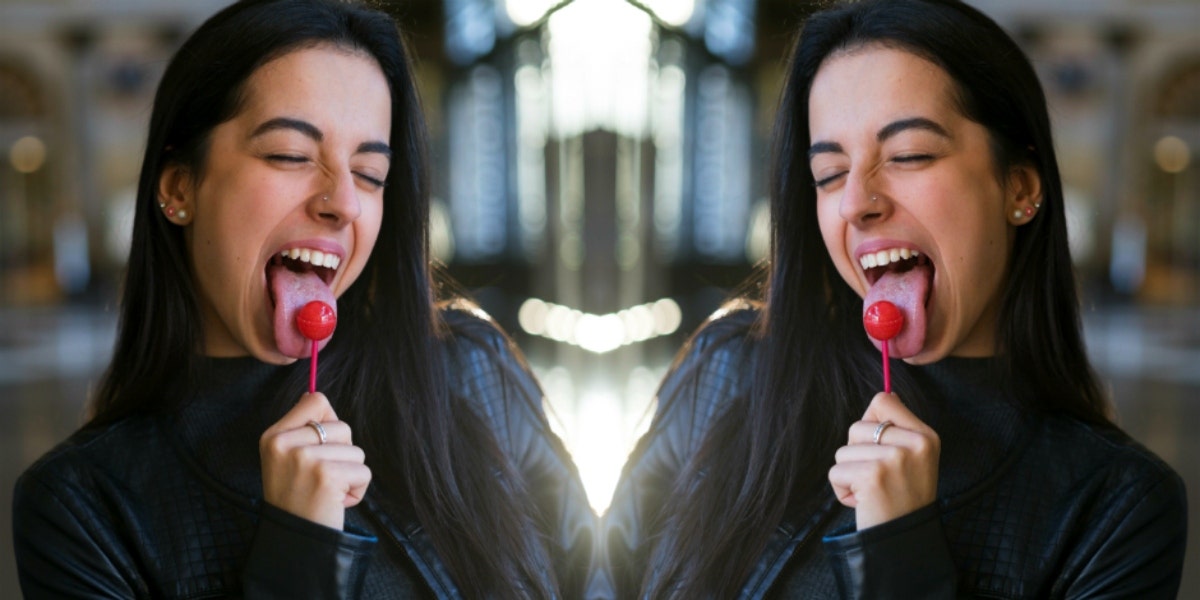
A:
(293, 290)
(908, 291)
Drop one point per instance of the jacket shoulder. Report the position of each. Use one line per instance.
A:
(1131, 510)
(483, 362)
(88, 452)
(487, 371)
(1085, 450)
(712, 370)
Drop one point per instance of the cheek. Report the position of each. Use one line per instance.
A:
(833, 233)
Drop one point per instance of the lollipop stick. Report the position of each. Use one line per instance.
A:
(312, 368)
(887, 370)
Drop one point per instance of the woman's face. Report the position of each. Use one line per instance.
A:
(901, 171)
(299, 170)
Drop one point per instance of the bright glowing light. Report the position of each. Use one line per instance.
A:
(599, 333)
(667, 316)
(600, 56)
(532, 316)
(673, 12)
(527, 12)
(593, 452)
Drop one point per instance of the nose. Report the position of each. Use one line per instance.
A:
(339, 204)
(860, 206)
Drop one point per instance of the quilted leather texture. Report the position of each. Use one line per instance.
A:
(1028, 506)
(170, 507)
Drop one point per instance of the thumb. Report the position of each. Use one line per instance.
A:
(887, 406)
(313, 406)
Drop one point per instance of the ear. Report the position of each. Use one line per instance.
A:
(175, 194)
(1023, 194)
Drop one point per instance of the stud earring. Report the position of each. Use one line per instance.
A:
(1029, 211)
(1018, 214)
(182, 214)
(170, 211)
(162, 204)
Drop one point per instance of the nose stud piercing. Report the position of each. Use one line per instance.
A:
(874, 198)
(325, 198)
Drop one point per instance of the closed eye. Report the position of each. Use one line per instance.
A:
(372, 181)
(913, 158)
(821, 183)
(287, 158)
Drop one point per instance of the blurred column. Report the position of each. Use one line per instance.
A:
(1120, 214)
(79, 213)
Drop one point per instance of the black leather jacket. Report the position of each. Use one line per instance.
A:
(162, 507)
(1028, 506)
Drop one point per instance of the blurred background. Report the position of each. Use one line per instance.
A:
(600, 176)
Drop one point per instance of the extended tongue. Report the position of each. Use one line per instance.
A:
(293, 290)
(908, 290)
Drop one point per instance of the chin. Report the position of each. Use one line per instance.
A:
(929, 354)
(923, 358)
(270, 355)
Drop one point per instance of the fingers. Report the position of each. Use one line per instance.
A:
(336, 432)
(888, 407)
(313, 479)
(889, 471)
(312, 406)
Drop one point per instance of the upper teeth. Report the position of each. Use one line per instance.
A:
(313, 257)
(884, 257)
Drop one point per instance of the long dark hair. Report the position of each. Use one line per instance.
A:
(382, 370)
(816, 371)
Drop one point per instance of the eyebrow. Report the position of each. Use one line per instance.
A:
(896, 127)
(311, 131)
(277, 123)
(888, 131)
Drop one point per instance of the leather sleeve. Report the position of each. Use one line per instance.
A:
(292, 557)
(493, 375)
(907, 557)
(712, 371)
(63, 549)
(1139, 550)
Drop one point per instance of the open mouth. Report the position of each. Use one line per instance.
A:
(306, 260)
(295, 277)
(894, 260)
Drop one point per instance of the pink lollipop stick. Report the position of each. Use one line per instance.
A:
(882, 322)
(316, 320)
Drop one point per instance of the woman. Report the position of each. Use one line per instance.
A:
(285, 163)
(913, 163)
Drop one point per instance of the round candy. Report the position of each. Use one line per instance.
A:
(883, 320)
(316, 320)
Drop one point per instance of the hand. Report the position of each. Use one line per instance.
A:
(894, 477)
(309, 479)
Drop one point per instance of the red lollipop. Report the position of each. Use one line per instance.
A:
(883, 321)
(316, 320)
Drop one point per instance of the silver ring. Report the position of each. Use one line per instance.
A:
(879, 431)
(317, 427)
